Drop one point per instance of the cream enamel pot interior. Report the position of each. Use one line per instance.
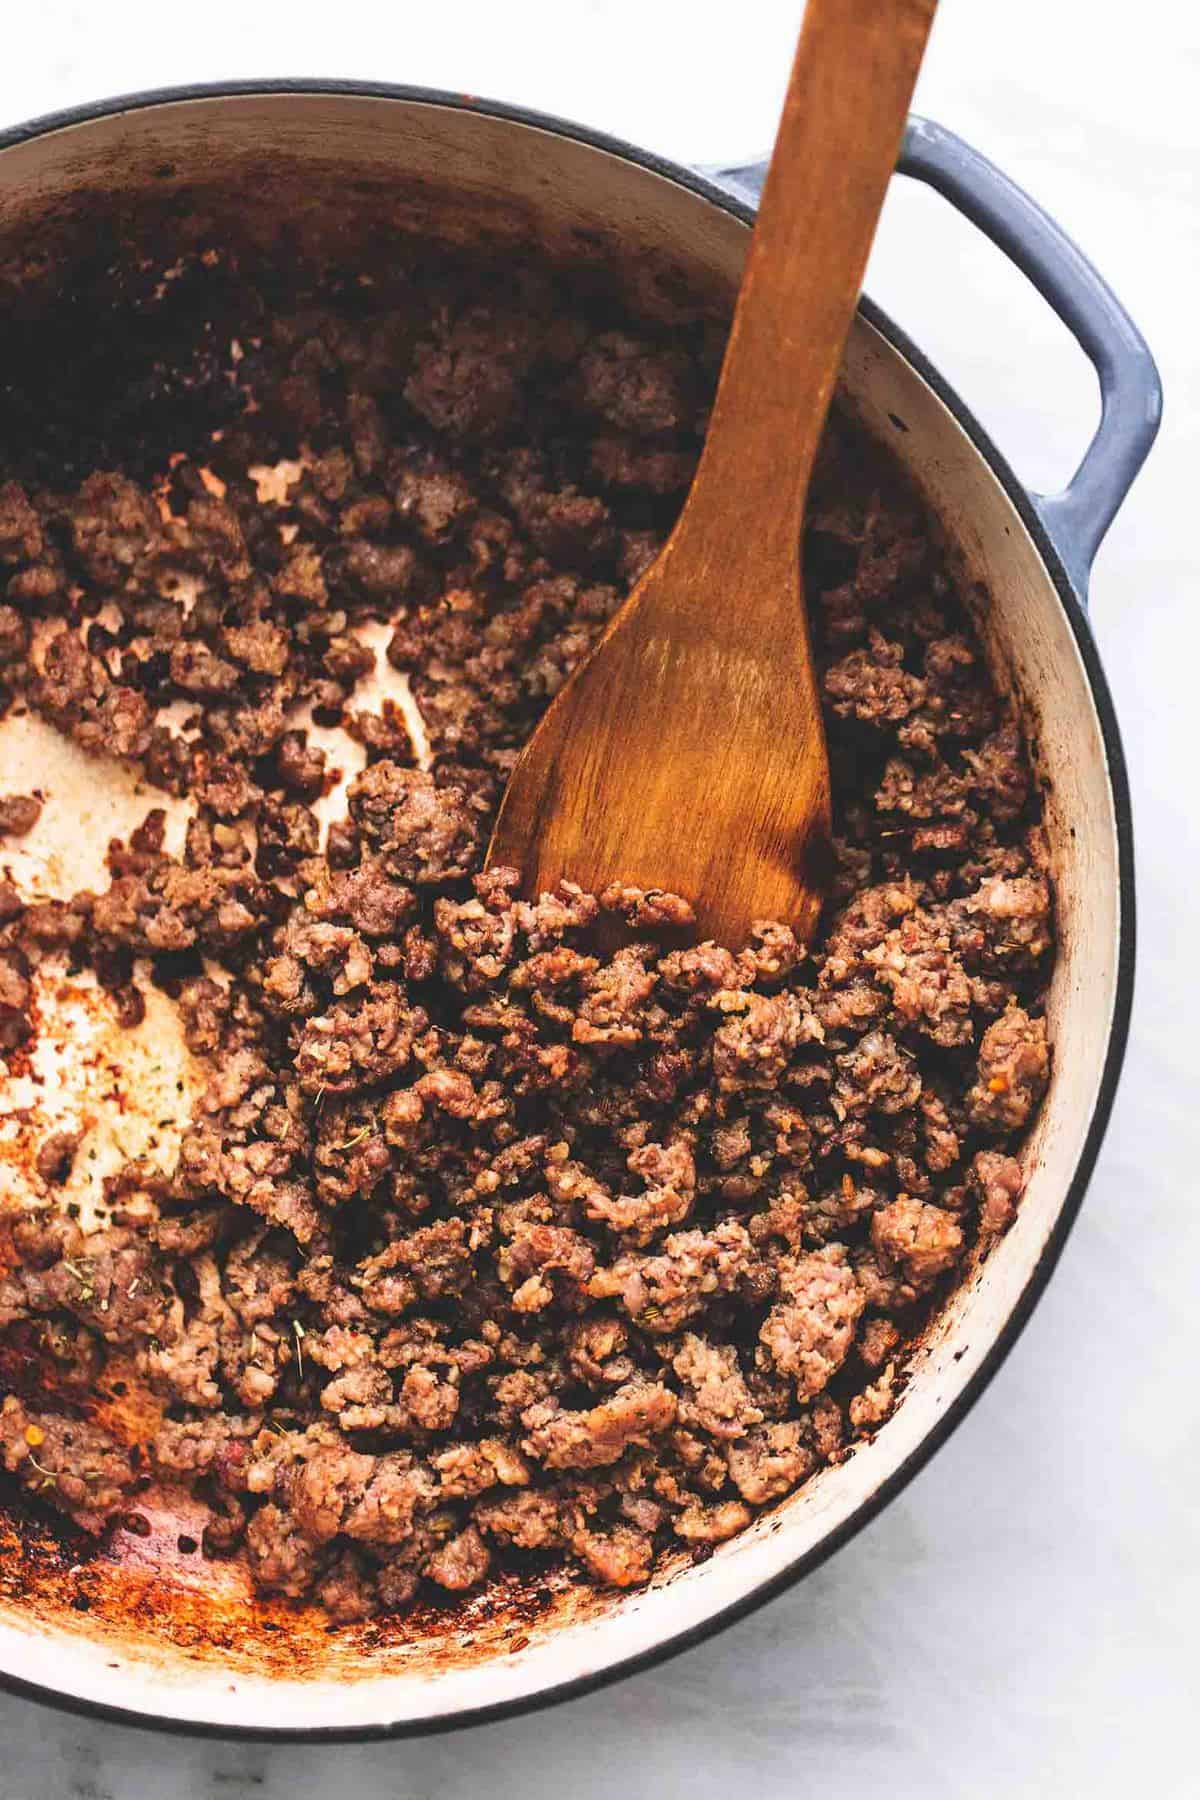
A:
(331, 161)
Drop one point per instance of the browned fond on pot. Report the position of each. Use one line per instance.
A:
(147, 1588)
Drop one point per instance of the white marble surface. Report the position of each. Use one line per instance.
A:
(1023, 1620)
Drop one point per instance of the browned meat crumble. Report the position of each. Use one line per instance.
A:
(482, 1244)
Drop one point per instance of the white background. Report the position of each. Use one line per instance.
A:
(1023, 1620)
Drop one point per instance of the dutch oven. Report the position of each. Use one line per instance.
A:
(337, 164)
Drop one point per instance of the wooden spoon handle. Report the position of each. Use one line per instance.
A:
(843, 118)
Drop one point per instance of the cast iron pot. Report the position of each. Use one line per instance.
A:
(185, 1646)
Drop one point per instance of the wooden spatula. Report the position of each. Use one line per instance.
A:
(687, 752)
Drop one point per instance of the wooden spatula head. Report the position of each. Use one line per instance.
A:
(683, 755)
(687, 753)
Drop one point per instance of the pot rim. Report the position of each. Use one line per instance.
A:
(1072, 604)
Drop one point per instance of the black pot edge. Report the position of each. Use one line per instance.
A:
(1126, 950)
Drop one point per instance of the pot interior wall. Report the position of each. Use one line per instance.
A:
(292, 175)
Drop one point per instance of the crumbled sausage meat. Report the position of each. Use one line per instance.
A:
(19, 813)
(1014, 1066)
(484, 1238)
(808, 1332)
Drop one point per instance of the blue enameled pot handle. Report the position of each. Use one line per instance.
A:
(1130, 390)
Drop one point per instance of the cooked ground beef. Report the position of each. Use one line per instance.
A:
(483, 1243)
